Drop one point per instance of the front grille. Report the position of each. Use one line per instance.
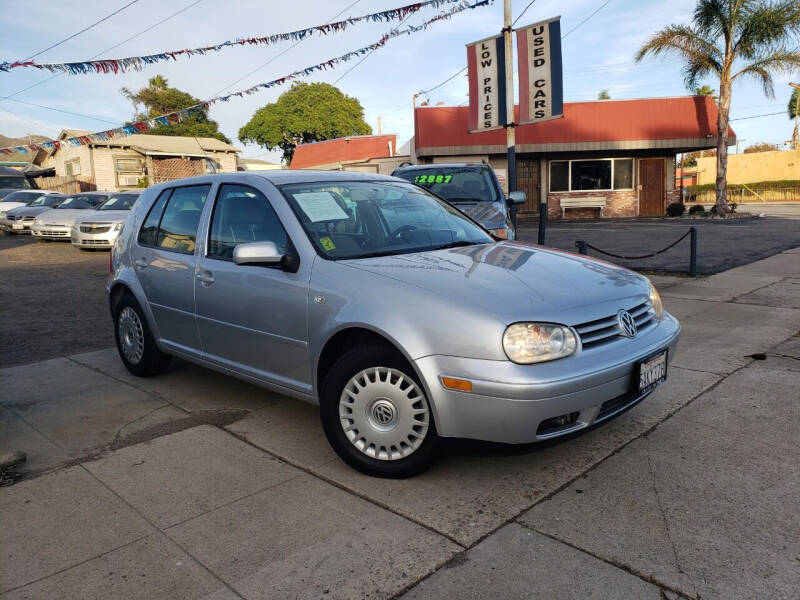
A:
(95, 228)
(26, 219)
(615, 405)
(54, 232)
(96, 242)
(601, 331)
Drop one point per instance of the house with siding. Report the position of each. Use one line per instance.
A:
(127, 162)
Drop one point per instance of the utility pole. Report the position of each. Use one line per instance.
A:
(510, 134)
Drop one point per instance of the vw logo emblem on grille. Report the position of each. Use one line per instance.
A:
(627, 324)
(383, 413)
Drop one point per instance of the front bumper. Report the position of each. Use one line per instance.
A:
(515, 404)
(51, 232)
(94, 240)
(15, 225)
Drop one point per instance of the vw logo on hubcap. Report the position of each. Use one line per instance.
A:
(383, 413)
(627, 324)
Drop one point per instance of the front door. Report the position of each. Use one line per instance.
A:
(165, 260)
(528, 182)
(652, 181)
(253, 319)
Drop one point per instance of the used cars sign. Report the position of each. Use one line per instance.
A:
(540, 77)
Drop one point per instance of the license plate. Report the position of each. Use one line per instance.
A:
(652, 372)
(17, 226)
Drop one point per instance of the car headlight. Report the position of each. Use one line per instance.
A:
(527, 343)
(501, 233)
(118, 226)
(655, 301)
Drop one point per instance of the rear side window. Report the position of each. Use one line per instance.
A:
(178, 229)
(148, 234)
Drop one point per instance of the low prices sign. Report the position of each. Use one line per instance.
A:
(487, 84)
(541, 95)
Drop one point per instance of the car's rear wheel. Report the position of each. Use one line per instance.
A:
(375, 414)
(135, 342)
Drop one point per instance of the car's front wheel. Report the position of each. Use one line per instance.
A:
(375, 414)
(135, 342)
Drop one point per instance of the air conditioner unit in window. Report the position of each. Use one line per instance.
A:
(129, 181)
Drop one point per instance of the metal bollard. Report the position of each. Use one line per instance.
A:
(582, 247)
(693, 252)
(542, 222)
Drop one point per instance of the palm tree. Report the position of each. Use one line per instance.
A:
(706, 90)
(604, 95)
(794, 113)
(732, 39)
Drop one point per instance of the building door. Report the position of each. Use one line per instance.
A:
(651, 180)
(528, 182)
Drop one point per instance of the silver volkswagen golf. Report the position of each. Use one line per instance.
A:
(396, 313)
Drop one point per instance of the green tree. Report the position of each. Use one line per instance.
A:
(157, 99)
(706, 90)
(604, 95)
(731, 40)
(307, 112)
(794, 113)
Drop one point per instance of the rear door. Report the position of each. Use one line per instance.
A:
(253, 319)
(165, 258)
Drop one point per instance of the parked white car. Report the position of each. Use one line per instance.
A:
(56, 224)
(19, 198)
(100, 228)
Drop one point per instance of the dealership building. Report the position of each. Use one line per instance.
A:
(608, 158)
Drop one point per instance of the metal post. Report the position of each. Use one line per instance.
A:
(509, 69)
(583, 247)
(693, 252)
(542, 222)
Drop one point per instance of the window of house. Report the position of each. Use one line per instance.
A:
(243, 215)
(73, 167)
(603, 174)
(129, 171)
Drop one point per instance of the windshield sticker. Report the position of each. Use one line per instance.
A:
(320, 206)
(428, 179)
(327, 243)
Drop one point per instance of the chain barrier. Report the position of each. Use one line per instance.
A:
(583, 247)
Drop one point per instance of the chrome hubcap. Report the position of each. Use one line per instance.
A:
(131, 335)
(383, 413)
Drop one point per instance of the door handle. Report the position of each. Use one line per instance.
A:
(140, 262)
(206, 278)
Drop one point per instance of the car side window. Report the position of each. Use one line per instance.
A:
(177, 231)
(241, 215)
(148, 234)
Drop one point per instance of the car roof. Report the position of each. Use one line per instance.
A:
(441, 166)
(281, 177)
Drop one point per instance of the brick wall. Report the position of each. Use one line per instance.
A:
(673, 196)
(618, 204)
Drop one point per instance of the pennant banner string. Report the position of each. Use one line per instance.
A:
(138, 63)
(186, 113)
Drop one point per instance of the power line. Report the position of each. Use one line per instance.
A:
(524, 10)
(74, 35)
(281, 53)
(40, 125)
(125, 41)
(782, 112)
(67, 112)
(606, 3)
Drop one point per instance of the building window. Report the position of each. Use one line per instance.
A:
(73, 167)
(129, 171)
(603, 174)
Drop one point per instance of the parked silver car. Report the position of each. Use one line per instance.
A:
(56, 224)
(393, 310)
(17, 199)
(20, 219)
(100, 228)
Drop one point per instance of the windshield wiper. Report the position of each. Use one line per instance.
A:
(458, 244)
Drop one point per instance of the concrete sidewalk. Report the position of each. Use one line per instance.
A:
(195, 485)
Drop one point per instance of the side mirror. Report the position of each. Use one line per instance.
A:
(517, 198)
(265, 254)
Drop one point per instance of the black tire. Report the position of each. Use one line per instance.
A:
(151, 361)
(352, 362)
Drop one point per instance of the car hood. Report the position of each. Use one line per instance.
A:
(7, 206)
(29, 211)
(491, 215)
(103, 216)
(517, 281)
(64, 216)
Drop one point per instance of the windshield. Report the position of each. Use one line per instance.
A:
(20, 183)
(81, 202)
(48, 200)
(25, 197)
(376, 218)
(120, 202)
(455, 184)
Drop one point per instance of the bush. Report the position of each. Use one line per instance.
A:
(676, 209)
(697, 209)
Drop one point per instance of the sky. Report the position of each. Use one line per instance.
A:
(597, 55)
